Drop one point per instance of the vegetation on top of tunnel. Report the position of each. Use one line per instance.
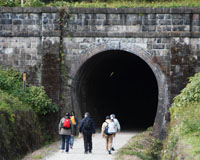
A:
(102, 3)
(183, 141)
(35, 97)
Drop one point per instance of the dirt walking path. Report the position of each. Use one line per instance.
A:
(98, 153)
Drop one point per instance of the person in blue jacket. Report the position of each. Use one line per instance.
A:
(87, 128)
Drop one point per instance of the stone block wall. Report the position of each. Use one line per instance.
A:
(23, 54)
(169, 36)
(158, 31)
(28, 44)
(32, 40)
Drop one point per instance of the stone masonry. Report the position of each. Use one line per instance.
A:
(167, 39)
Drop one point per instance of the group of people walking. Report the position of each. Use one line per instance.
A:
(68, 128)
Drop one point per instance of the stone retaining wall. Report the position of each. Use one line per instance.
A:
(30, 41)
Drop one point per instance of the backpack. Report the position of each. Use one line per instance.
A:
(66, 123)
(110, 128)
(73, 120)
(87, 124)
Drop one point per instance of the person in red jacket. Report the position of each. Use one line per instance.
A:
(65, 132)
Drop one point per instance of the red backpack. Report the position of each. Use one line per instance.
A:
(66, 124)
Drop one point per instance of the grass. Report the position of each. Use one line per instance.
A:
(183, 141)
(43, 152)
(111, 4)
(38, 157)
(190, 130)
(184, 133)
(194, 141)
(143, 145)
(129, 4)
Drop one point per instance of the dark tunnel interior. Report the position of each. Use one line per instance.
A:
(118, 82)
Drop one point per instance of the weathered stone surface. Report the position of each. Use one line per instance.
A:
(167, 39)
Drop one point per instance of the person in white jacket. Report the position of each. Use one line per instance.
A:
(117, 128)
(107, 132)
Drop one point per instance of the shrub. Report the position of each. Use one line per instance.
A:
(11, 82)
(185, 123)
(33, 3)
(7, 3)
(19, 128)
(190, 94)
(17, 3)
(39, 100)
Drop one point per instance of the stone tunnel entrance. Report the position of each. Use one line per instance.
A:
(117, 82)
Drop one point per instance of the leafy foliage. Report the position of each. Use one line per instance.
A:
(190, 94)
(17, 3)
(7, 3)
(39, 100)
(9, 104)
(185, 123)
(19, 128)
(11, 82)
(34, 3)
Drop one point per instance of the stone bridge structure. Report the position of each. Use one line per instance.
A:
(127, 61)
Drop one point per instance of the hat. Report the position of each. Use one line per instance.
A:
(87, 114)
(107, 117)
(112, 116)
(67, 114)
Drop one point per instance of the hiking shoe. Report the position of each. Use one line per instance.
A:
(62, 151)
(112, 149)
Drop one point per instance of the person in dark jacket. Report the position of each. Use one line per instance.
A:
(87, 128)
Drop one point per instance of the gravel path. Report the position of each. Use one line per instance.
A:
(98, 153)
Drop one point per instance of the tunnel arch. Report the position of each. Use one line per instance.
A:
(91, 89)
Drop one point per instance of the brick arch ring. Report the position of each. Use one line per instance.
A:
(160, 122)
